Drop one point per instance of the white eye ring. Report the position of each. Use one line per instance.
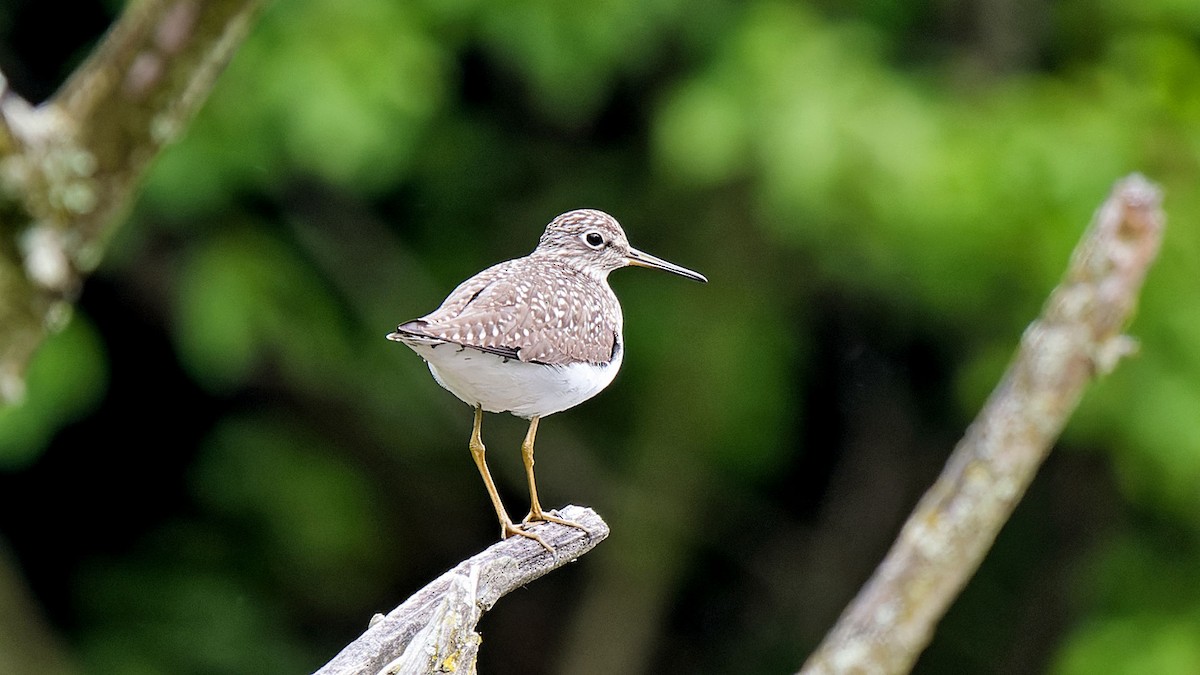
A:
(594, 240)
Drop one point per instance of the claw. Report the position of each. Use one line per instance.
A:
(550, 517)
(508, 528)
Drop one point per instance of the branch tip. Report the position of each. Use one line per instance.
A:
(434, 630)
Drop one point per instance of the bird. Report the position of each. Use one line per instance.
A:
(533, 336)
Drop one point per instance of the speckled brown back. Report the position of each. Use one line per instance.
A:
(532, 309)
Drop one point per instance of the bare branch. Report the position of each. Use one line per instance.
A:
(70, 167)
(143, 84)
(943, 542)
(434, 630)
(27, 643)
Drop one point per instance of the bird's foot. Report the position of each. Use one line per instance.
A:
(550, 517)
(508, 528)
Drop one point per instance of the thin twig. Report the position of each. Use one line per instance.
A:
(434, 630)
(1077, 337)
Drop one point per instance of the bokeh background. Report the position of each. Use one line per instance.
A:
(223, 467)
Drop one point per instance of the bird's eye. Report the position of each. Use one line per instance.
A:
(594, 239)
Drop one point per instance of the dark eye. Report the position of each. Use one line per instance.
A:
(594, 239)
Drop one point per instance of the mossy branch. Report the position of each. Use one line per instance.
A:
(1077, 338)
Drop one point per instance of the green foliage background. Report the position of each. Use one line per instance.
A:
(882, 194)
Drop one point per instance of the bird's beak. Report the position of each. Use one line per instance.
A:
(640, 259)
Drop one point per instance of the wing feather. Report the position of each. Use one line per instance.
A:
(544, 315)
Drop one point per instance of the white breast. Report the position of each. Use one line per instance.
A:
(510, 385)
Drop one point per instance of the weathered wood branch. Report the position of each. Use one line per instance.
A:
(71, 166)
(434, 630)
(1077, 338)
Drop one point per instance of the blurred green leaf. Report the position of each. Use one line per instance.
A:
(1148, 614)
(337, 90)
(572, 55)
(179, 620)
(247, 300)
(66, 379)
(1133, 646)
(313, 508)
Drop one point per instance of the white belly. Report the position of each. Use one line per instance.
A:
(509, 385)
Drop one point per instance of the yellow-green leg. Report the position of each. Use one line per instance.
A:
(477, 452)
(535, 507)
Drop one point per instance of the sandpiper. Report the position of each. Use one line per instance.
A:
(533, 336)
